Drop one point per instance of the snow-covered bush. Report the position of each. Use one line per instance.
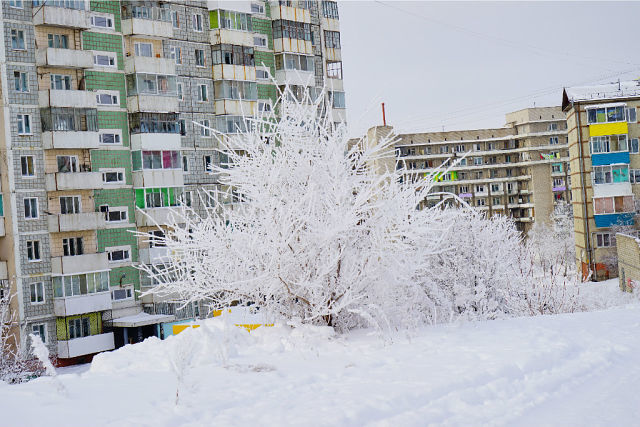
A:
(306, 228)
(13, 367)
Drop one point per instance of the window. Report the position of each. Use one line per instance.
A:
(204, 129)
(553, 140)
(185, 163)
(496, 201)
(58, 41)
(606, 115)
(113, 177)
(553, 126)
(40, 330)
(330, 9)
(605, 240)
(458, 148)
(17, 40)
(610, 205)
(264, 106)
(634, 176)
(72, 246)
(80, 284)
(182, 124)
(233, 55)
(444, 149)
(260, 41)
(175, 53)
(556, 167)
(291, 29)
(60, 82)
(120, 294)
(20, 80)
(610, 174)
(463, 189)
(16, 4)
(70, 205)
(151, 84)
(479, 188)
(30, 208)
(479, 175)
(337, 99)
(332, 39)
(334, 70)
(197, 22)
(203, 94)
(234, 20)
(144, 49)
(480, 202)
(110, 138)
(114, 214)
(180, 92)
(101, 22)
(79, 328)
(631, 115)
(633, 146)
(120, 254)
(291, 61)
(27, 166)
(107, 99)
(207, 163)
(507, 158)
(188, 196)
(257, 8)
(558, 182)
(104, 60)
(175, 19)
(33, 250)
(37, 292)
(24, 124)
(262, 74)
(160, 160)
(477, 161)
(199, 57)
(495, 188)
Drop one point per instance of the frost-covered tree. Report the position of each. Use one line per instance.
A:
(12, 364)
(306, 227)
(552, 243)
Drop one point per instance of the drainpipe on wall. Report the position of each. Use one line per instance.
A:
(584, 194)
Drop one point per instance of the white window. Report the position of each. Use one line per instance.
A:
(30, 207)
(553, 126)
(79, 327)
(20, 81)
(180, 92)
(144, 49)
(496, 201)
(262, 74)
(27, 166)
(203, 93)
(199, 57)
(264, 106)
(33, 250)
(105, 60)
(37, 292)
(111, 138)
(67, 164)
(477, 161)
(480, 202)
(72, 246)
(40, 330)
(175, 19)
(115, 176)
(24, 124)
(334, 69)
(558, 182)
(459, 148)
(185, 164)
(208, 163)
(60, 82)
(605, 240)
(444, 149)
(17, 40)
(114, 214)
(175, 53)
(16, 4)
(631, 115)
(464, 189)
(260, 40)
(101, 21)
(119, 254)
(556, 167)
(257, 8)
(204, 131)
(553, 140)
(633, 146)
(495, 188)
(197, 22)
(634, 176)
(188, 196)
(122, 294)
(107, 99)
(70, 205)
(479, 188)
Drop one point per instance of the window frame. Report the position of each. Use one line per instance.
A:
(32, 201)
(24, 121)
(37, 289)
(34, 253)
(28, 165)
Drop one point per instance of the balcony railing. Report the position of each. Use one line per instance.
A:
(76, 222)
(80, 263)
(64, 58)
(73, 181)
(89, 303)
(85, 345)
(61, 17)
(67, 98)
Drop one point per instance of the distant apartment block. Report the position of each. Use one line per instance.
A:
(519, 170)
(99, 100)
(605, 169)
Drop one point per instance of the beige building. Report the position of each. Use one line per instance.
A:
(518, 170)
(605, 169)
(628, 249)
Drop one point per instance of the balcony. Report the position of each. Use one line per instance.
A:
(79, 264)
(296, 46)
(142, 64)
(234, 72)
(608, 220)
(289, 13)
(151, 217)
(64, 58)
(333, 54)
(235, 107)
(70, 140)
(147, 27)
(152, 103)
(227, 36)
(67, 98)
(156, 141)
(158, 298)
(295, 77)
(61, 17)
(155, 255)
(86, 345)
(73, 181)
(613, 189)
(70, 306)
(602, 159)
(76, 222)
(158, 178)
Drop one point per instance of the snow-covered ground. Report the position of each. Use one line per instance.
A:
(567, 370)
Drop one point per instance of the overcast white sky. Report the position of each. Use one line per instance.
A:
(463, 65)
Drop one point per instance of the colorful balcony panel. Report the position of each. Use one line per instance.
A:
(602, 159)
(609, 220)
(600, 129)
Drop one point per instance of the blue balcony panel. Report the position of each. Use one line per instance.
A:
(602, 159)
(608, 220)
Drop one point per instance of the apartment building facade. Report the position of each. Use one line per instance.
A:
(99, 100)
(520, 170)
(605, 168)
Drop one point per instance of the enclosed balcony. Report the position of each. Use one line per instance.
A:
(85, 345)
(67, 98)
(61, 17)
(147, 27)
(143, 64)
(154, 255)
(80, 304)
(64, 58)
(155, 141)
(73, 181)
(76, 222)
(152, 93)
(79, 263)
(151, 217)
(158, 178)
(280, 11)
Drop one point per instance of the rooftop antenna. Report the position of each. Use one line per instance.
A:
(384, 118)
(618, 83)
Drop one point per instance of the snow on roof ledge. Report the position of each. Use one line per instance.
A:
(600, 92)
(141, 319)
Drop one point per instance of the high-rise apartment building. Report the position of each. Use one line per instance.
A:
(519, 170)
(605, 170)
(98, 103)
